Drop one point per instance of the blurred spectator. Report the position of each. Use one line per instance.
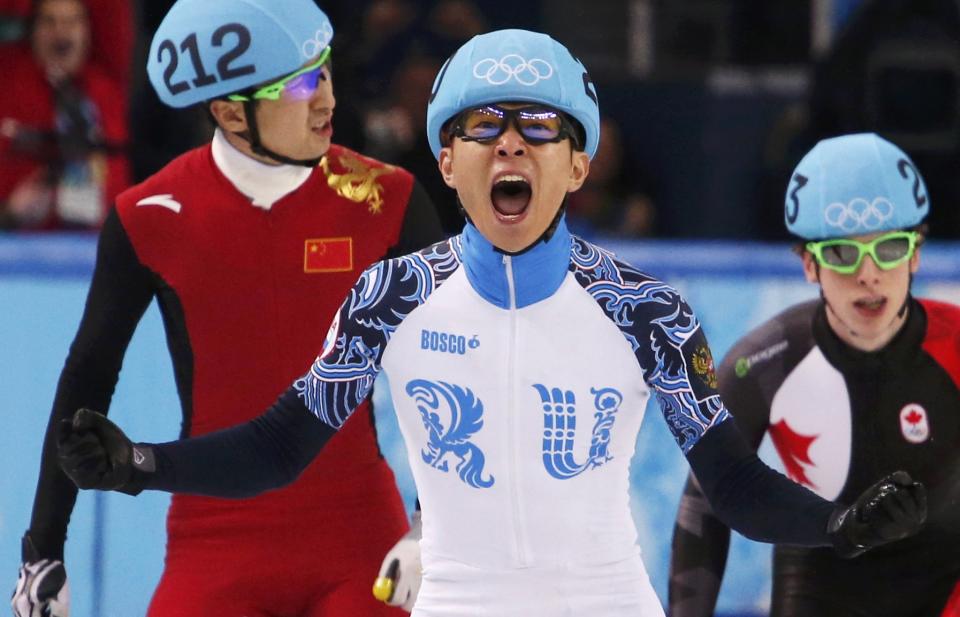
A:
(453, 22)
(406, 47)
(614, 200)
(63, 121)
(394, 30)
(405, 52)
(396, 132)
(387, 27)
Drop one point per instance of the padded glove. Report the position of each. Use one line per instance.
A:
(892, 509)
(95, 453)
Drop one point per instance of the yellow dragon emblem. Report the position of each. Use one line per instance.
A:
(703, 366)
(359, 183)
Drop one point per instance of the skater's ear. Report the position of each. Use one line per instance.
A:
(228, 115)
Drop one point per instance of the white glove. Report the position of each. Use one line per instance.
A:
(42, 590)
(399, 580)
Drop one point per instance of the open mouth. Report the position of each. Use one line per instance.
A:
(62, 47)
(871, 305)
(511, 195)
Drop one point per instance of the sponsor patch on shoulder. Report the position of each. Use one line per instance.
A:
(703, 366)
(745, 363)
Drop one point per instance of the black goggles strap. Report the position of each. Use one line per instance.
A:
(253, 138)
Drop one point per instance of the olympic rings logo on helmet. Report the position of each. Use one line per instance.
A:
(311, 48)
(859, 214)
(513, 66)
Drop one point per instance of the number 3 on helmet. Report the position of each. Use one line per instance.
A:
(854, 185)
(208, 49)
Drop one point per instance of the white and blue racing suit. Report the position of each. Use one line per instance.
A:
(520, 383)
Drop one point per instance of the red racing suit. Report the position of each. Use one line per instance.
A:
(242, 290)
(104, 82)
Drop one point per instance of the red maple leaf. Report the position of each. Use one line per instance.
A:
(794, 451)
(913, 417)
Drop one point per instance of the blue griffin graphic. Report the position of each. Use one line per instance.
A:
(560, 428)
(465, 414)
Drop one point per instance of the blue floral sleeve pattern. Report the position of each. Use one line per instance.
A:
(343, 374)
(666, 338)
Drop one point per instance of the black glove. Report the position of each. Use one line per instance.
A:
(892, 509)
(95, 453)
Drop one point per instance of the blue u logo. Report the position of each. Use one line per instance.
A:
(560, 429)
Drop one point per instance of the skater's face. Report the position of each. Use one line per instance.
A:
(512, 183)
(294, 115)
(866, 306)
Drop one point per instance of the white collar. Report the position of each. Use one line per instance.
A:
(263, 184)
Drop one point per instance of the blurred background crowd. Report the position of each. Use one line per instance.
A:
(708, 104)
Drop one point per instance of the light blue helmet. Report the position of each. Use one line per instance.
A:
(854, 185)
(206, 49)
(513, 66)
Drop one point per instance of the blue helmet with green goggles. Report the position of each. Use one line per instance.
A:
(209, 49)
(854, 185)
(514, 66)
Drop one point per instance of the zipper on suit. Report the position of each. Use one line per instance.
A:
(512, 437)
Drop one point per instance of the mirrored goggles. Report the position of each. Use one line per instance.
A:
(536, 124)
(297, 86)
(844, 256)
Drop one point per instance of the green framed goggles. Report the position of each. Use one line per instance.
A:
(844, 256)
(299, 85)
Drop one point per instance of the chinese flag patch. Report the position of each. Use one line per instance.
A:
(328, 255)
